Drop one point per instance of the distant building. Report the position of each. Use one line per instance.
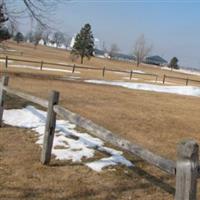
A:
(155, 60)
(72, 42)
(41, 42)
(117, 56)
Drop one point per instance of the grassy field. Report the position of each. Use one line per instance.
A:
(154, 120)
(47, 54)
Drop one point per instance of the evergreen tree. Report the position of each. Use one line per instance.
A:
(84, 43)
(174, 63)
(19, 37)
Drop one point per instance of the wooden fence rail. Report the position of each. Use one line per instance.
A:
(158, 161)
(179, 78)
(73, 67)
(185, 169)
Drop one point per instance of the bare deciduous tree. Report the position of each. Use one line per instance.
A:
(113, 50)
(38, 35)
(45, 36)
(141, 49)
(38, 10)
(59, 38)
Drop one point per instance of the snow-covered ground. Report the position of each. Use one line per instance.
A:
(128, 78)
(3, 61)
(69, 144)
(182, 90)
(43, 68)
(184, 71)
(161, 82)
(136, 71)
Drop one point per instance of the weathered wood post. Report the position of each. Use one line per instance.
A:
(41, 65)
(6, 62)
(49, 128)
(187, 170)
(156, 78)
(103, 73)
(164, 79)
(4, 82)
(73, 68)
(187, 80)
(131, 74)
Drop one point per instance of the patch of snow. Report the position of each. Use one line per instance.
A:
(68, 144)
(74, 77)
(62, 63)
(3, 61)
(169, 83)
(43, 68)
(104, 162)
(181, 90)
(128, 78)
(138, 71)
(184, 71)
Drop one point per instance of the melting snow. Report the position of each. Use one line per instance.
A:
(182, 90)
(44, 68)
(128, 78)
(69, 144)
(3, 61)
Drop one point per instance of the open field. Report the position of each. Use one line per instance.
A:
(64, 180)
(47, 54)
(144, 117)
(156, 121)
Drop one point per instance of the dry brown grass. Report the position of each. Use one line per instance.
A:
(61, 56)
(156, 121)
(23, 177)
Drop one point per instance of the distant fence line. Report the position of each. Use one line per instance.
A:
(186, 167)
(75, 66)
(179, 78)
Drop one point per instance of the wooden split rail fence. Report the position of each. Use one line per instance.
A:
(185, 169)
(131, 73)
(187, 80)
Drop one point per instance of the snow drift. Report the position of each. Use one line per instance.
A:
(181, 90)
(68, 144)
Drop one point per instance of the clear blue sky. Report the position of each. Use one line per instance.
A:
(172, 27)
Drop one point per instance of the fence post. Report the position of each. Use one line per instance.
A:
(103, 73)
(73, 68)
(4, 82)
(131, 74)
(187, 80)
(41, 65)
(187, 170)
(49, 128)
(6, 62)
(156, 78)
(164, 79)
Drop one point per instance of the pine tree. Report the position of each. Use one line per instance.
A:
(84, 43)
(174, 63)
(19, 37)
